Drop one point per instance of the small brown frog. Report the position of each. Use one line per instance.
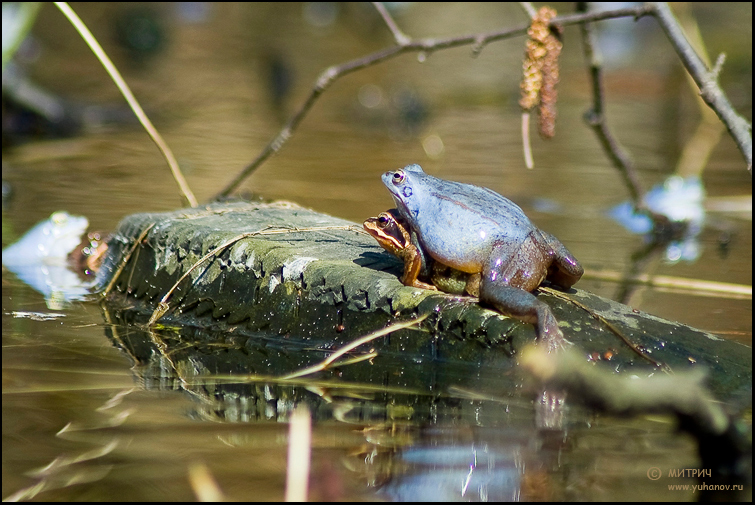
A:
(395, 236)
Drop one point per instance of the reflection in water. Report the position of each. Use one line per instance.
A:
(421, 436)
(453, 473)
(678, 199)
(679, 220)
(40, 259)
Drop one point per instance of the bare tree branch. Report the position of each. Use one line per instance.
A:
(477, 41)
(529, 9)
(595, 117)
(707, 81)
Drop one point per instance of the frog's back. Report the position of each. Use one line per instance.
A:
(475, 205)
(459, 223)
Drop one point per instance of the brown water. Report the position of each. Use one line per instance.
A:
(208, 93)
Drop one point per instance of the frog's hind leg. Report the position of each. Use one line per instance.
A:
(565, 270)
(508, 278)
(527, 308)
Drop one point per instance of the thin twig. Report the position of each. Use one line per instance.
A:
(698, 148)
(677, 284)
(529, 9)
(398, 35)
(529, 161)
(129, 96)
(356, 343)
(333, 73)
(595, 117)
(634, 347)
(707, 80)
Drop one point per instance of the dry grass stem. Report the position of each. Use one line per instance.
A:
(129, 96)
(356, 343)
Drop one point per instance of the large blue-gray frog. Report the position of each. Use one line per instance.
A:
(477, 231)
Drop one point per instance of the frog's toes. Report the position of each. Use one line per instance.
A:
(554, 341)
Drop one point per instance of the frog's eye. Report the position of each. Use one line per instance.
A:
(383, 220)
(398, 177)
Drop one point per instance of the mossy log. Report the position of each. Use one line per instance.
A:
(320, 282)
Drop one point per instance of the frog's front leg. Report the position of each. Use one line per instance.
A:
(413, 262)
(507, 279)
(565, 270)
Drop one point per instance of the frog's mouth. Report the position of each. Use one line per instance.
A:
(387, 179)
(402, 210)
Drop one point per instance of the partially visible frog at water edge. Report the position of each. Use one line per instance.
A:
(477, 231)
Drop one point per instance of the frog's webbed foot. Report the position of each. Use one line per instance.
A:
(526, 307)
(422, 285)
(549, 333)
